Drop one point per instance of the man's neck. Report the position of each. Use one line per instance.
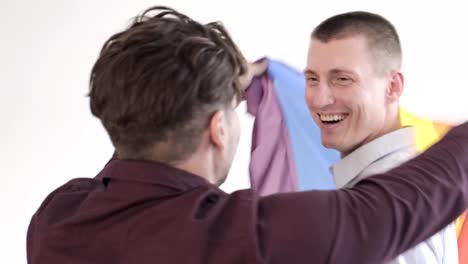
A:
(196, 164)
(199, 167)
(384, 131)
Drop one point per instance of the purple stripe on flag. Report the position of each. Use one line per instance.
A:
(272, 168)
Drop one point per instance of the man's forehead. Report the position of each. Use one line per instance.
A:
(336, 48)
(311, 71)
(339, 56)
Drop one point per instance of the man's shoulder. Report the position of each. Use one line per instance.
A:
(76, 185)
(91, 216)
(390, 161)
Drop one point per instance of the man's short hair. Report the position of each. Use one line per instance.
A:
(161, 79)
(382, 37)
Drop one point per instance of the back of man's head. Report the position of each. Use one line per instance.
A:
(160, 80)
(382, 37)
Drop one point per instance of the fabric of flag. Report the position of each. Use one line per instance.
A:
(285, 133)
(287, 154)
(427, 133)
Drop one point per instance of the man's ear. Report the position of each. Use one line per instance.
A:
(395, 87)
(217, 130)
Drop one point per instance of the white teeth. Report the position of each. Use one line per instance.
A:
(332, 118)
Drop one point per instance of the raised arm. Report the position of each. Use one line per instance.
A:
(378, 219)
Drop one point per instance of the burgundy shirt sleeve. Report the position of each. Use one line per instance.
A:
(378, 219)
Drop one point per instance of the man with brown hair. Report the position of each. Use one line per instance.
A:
(165, 90)
(354, 82)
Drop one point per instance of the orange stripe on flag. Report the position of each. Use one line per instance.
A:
(463, 240)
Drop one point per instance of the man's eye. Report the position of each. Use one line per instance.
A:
(343, 80)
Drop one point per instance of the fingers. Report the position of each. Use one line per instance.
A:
(253, 70)
(258, 68)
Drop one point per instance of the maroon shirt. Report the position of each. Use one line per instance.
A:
(145, 212)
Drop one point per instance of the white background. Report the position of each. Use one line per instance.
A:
(48, 47)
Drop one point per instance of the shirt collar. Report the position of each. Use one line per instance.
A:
(149, 172)
(354, 163)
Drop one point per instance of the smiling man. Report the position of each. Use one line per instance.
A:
(354, 83)
(165, 90)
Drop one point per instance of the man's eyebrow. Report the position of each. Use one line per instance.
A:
(309, 72)
(341, 70)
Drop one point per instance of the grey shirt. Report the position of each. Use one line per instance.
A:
(383, 154)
